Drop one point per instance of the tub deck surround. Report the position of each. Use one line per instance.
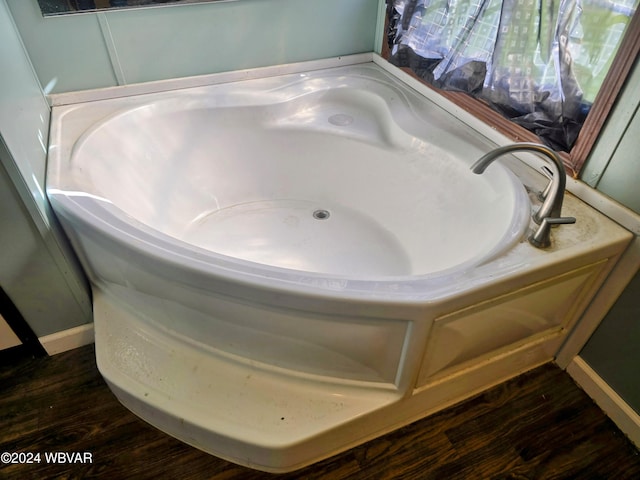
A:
(285, 267)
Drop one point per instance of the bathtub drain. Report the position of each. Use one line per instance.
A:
(341, 119)
(321, 214)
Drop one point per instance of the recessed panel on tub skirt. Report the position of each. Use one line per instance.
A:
(357, 349)
(464, 337)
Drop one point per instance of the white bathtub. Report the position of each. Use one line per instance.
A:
(285, 267)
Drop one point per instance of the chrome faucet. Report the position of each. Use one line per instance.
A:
(550, 212)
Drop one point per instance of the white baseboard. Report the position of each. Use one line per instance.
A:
(68, 339)
(625, 417)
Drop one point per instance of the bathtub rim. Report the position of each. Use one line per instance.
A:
(105, 222)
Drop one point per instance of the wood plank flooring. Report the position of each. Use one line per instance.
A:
(537, 426)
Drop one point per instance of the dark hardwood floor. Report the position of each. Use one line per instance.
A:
(537, 426)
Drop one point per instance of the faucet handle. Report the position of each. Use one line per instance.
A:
(558, 221)
(540, 239)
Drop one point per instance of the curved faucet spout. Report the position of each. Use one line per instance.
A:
(552, 204)
(550, 213)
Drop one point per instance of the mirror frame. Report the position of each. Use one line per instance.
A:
(50, 8)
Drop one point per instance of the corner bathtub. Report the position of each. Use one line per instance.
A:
(285, 267)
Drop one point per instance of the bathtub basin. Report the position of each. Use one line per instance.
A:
(304, 177)
(268, 257)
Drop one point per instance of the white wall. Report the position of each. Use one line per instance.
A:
(612, 351)
(38, 271)
(24, 116)
(84, 51)
(613, 167)
(621, 180)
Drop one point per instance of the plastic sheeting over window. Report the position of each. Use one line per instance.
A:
(538, 62)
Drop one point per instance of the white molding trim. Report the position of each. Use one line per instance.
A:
(625, 417)
(380, 23)
(109, 42)
(605, 205)
(68, 339)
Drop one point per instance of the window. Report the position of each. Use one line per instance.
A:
(533, 70)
